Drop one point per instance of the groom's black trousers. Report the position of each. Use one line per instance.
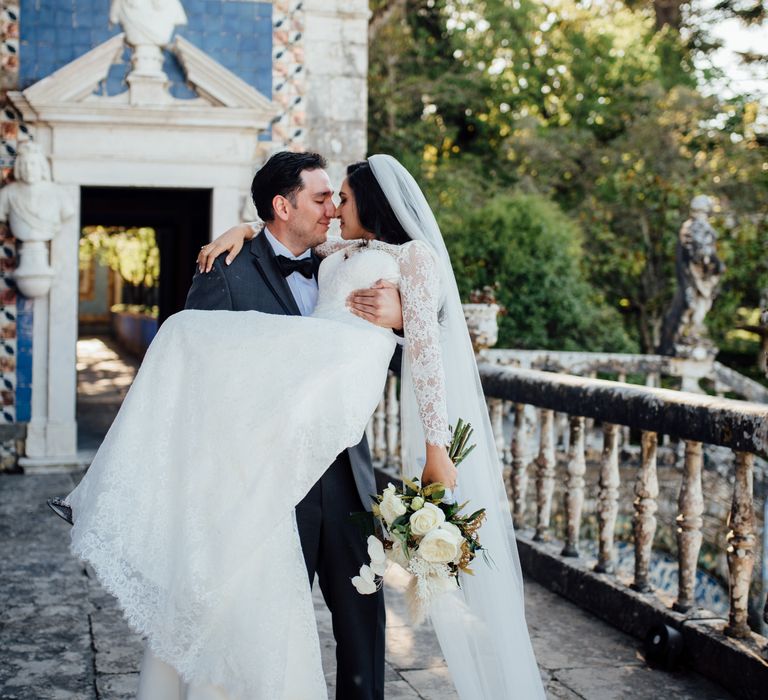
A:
(334, 549)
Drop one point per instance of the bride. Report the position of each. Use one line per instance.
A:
(187, 512)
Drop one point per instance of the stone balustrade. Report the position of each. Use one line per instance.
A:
(567, 407)
(693, 418)
(681, 373)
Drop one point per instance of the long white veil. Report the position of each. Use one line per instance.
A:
(481, 628)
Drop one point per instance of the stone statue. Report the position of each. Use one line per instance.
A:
(34, 208)
(698, 271)
(147, 22)
(148, 26)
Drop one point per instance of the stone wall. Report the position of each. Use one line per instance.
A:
(15, 311)
(309, 57)
(336, 53)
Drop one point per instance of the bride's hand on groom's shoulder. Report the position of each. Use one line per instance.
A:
(379, 304)
(231, 241)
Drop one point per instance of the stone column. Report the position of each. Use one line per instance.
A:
(336, 53)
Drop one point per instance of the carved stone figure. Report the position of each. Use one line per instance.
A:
(698, 273)
(147, 22)
(34, 208)
(148, 26)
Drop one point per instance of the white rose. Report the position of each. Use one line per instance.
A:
(391, 507)
(377, 555)
(417, 502)
(441, 545)
(365, 583)
(459, 538)
(426, 518)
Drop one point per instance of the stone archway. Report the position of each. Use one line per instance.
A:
(141, 138)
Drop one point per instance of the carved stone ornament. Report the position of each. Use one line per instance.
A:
(698, 270)
(34, 208)
(482, 324)
(148, 26)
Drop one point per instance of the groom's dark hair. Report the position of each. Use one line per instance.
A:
(373, 208)
(281, 175)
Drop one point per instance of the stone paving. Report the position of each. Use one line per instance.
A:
(104, 375)
(61, 635)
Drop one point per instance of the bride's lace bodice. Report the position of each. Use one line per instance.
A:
(350, 265)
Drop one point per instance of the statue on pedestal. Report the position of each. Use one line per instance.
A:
(147, 22)
(698, 270)
(34, 208)
(148, 26)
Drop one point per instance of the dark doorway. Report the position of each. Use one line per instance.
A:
(112, 341)
(181, 219)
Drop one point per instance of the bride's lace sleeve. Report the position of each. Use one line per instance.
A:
(420, 296)
(331, 245)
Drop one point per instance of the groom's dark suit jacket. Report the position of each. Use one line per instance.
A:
(253, 282)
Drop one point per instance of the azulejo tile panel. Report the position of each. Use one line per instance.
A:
(261, 42)
(237, 33)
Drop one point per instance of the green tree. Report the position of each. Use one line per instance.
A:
(595, 106)
(132, 253)
(534, 252)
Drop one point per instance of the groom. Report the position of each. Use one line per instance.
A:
(276, 272)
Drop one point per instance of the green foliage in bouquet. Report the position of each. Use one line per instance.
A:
(414, 496)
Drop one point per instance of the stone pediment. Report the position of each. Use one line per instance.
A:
(68, 94)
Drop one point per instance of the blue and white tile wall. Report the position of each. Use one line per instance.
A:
(261, 42)
(237, 33)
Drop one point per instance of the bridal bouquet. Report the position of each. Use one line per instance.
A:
(424, 534)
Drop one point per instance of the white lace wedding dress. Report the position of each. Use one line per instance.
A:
(186, 513)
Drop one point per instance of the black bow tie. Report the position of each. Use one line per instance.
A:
(304, 266)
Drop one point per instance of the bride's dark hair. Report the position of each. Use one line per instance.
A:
(373, 209)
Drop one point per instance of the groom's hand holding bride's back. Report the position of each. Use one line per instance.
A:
(380, 304)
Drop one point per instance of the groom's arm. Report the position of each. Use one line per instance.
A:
(210, 290)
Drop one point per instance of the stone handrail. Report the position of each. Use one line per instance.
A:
(740, 425)
(694, 418)
(651, 367)
(581, 403)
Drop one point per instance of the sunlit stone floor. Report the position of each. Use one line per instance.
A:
(61, 635)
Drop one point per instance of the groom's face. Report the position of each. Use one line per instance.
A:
(311, 216)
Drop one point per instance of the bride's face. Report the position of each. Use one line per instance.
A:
(346, 213)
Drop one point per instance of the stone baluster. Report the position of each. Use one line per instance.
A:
(644, 522)
(689, 522)
(496, 409)
(519, 474)
(507, 409)
(574, 494)
(379, 446)
(741, 546)
(590, 422)
(545, 474)
(608, 497)
(393, 422)
(622, 377)
(653, 380)
(561, 432)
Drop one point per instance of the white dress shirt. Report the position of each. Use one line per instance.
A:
(304, 290)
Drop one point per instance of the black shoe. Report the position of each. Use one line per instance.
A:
(58, 506)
